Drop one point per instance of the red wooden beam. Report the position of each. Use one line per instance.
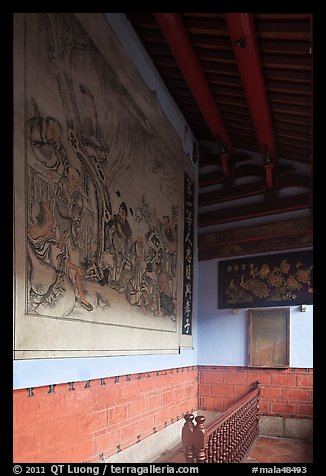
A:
(245, 46)
(260, 244)
(177, 37)
(266, 231)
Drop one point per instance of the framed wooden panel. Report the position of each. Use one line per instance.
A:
(266, 281)
(269, 337)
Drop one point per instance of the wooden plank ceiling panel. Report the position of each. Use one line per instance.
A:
(285, 57)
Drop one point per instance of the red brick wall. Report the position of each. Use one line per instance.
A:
(93, 422)
(286, 393)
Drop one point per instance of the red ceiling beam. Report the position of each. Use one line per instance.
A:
(245, 45)
(244, 41)
(175, 33)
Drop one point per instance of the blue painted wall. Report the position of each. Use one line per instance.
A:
(222, 337)
(35, 373)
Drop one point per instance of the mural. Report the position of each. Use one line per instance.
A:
(102, 191)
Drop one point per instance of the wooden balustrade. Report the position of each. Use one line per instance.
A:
(228, 438)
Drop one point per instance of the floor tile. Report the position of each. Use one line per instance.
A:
(280, 450)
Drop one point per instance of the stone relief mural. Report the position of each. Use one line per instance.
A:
(102, 192)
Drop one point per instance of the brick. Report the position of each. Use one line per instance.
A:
(113, 395)
(18, 416)
(305, 380)
(168, 397)
(20, 394)
(61, 389)
(101, 432)
(205, 389)
(295, 395)
(170, 378)
(137, 407)
(79, 400)
(264, 407)
(40, 392)
(183, 378)
(309, 396)
(30, 458)
(172, 411)
(191, 391)
(153, 402)
(213, 403)
(201, 402)
(304, 410)
(79, 452)
(146, 385)
(235, 377)
(192, 405)
(100, 398)
(79, 386)
(100, 444)
(162, 382)
(128, 434)
(182, 405)
(56, 457)
(128, 390)
(180, 394)
(212, 377)
(284, 409)
(228, 402)
(58, 435)
(36, 411)
(160, 417)
(25, 445)
(283, 379)
(263, 376)
(222, 390)
(117, 414)
(240, 390)
(89, 424)
(112, 443)
(271, 393)
(145, 425)
(103, 443)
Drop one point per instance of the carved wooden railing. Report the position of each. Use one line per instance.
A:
(228, 438)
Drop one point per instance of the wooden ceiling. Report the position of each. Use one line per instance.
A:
(243, 82)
